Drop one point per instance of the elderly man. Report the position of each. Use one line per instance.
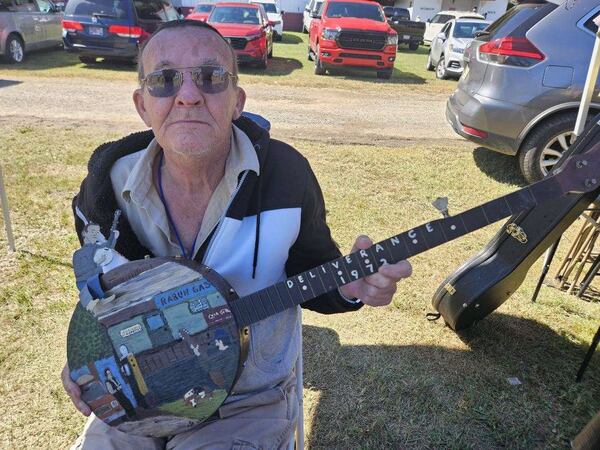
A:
(213, 186)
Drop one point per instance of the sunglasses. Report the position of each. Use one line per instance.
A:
(167, 82)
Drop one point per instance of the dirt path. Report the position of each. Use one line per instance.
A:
(329, 115)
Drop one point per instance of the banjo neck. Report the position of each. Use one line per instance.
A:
(577, 176)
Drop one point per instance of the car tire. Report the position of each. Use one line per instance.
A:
(263, 63)
(384, 74)
(545, 144)
(413, 46)
(278, 37)
(440, 69)
(319, 69)
(87, 59)
(309, 54)
(429, 65)
(270, 55)
(304, 30)
(15, 49)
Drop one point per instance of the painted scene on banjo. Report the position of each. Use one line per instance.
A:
(161, 343)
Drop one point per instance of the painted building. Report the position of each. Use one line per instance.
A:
(426, 9)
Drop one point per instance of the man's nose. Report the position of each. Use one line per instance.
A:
(189, 93)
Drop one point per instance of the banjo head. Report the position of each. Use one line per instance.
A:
(162, 351)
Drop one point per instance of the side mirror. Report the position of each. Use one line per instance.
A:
(428, 20)
(315, 15)
(441, 36)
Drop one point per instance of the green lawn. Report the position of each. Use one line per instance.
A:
(289, 66)
(382, 378)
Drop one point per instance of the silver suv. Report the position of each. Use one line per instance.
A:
(28, 25)
(523, 82)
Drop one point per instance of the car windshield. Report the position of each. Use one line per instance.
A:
(113, 9)
(400, 13)
(234, 14)
(269, 7)
(468, 29)
(358, 10)
(203, 8)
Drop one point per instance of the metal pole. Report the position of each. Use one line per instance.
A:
(6, 213)
(590, 83)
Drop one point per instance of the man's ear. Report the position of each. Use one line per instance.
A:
(239, 105)
(138, 100)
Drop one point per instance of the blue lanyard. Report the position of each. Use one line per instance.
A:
(171, 223)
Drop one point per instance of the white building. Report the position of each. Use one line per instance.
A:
(426, 9)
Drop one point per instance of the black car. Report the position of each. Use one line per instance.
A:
(112, 29)
(410, 32)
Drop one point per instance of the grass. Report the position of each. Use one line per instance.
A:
(379, 379)
(289, 66)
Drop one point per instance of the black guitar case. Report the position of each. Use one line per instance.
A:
(488, 279)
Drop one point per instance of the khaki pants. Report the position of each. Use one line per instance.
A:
(263, 421)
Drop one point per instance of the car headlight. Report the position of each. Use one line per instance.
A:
(254, 37)
(392, 39)
(330, 34)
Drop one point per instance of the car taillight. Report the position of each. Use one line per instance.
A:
(125, 31)
(474, 131)
(71, 25)
(514, 51)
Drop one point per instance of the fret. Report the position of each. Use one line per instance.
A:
(385, 251)
(294, 291)
(397, 248)
(474, 219)
(276, 298)
(267, 303)
(454, 227)
(258, 306)
(315, 282)
(496, 210)
(284, 294)
(520, 200)
(415, 241)
(338, 270)
(353, 267)
(304, 286)
(368, 261)
(433, 234)
(325, 273)
(237, 310)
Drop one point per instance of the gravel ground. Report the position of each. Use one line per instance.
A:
(327, 115)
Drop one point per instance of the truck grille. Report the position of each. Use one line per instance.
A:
(237, 43)
(362, 40)
(360, 56)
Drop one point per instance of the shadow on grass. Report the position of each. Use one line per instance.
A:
(277, 66)
(45, 258)
(7, 83)
(287, 38)
(500, 167)
(369, 75)
(420, 396)
(43, 60)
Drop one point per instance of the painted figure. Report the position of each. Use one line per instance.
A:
(114, 387)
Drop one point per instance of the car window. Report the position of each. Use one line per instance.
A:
(44, 5)
(25, 6)
(590, 25)
(358, 10)
(203, 8)
(317, 7)
(6, 5)
(116, 9)
(234, 14)
(170, 11)
(522, 16)
(468, 29)
(441, 18)
(269, 7)
(445, 29)
(150, 10)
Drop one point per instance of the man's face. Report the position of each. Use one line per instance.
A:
(190, 123)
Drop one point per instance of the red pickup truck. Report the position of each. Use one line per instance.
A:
(352, 33)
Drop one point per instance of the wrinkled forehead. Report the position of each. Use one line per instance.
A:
(185, 47)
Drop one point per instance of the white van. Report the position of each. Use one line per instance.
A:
(437, 22)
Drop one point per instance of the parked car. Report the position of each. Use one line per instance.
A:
(312, 7)
(275, 16)
(112, 29)
(27, 25)
(352, 33)
(448, 47)
(104, 405)
(201, 12)
(246, 26)
(410, 32)
(521, 87)
(437, 22)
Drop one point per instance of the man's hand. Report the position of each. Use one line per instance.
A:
(379, 288)
(74, 392)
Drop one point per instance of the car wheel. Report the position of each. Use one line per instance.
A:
(87, 59)
(304, 30)
(319, 69)
(429, 65)
(309, 54)
(15, 51)
(413, 45)
(263, 63)
(544, 146)
(440, 70)
(270, 55)
(384, 74)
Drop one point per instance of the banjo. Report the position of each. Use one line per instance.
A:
(160, 342)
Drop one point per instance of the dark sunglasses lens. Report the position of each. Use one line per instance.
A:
(211, 80)
(164, 83)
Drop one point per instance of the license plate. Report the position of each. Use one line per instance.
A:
(96, 31)
(406, 37)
